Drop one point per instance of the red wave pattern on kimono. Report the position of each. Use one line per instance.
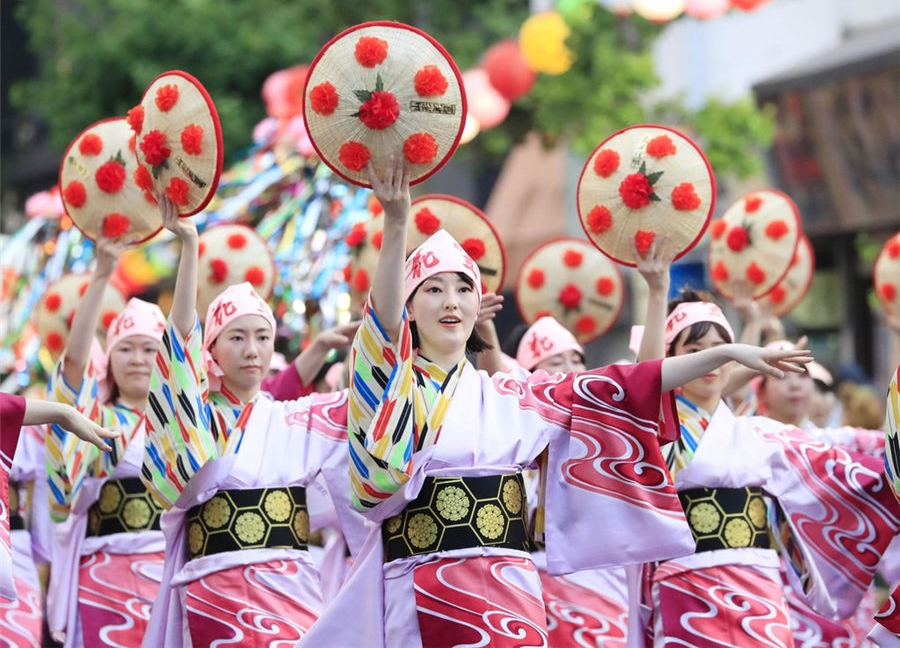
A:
(578, 617)
(325, 416)
(479, 601)
(115, 594)
(21, 621)
(720, 607)
(813, 630)
(889, 614)
(247, 606)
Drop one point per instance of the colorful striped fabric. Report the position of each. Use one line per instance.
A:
(693, 421)
(892, 434)
(397, 405)
(186, 424)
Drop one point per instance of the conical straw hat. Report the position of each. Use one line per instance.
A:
(793, 287)
(886, 274)
(231, 254)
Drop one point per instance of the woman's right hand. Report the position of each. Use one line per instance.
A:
(108, 252)
(393, 191)
(183, 228)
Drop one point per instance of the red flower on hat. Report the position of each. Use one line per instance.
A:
(752, 203)
(81, 290)
(684, 198)
(542, 313)
(737, 239)
(573, 258)
(131, 142)
(115, 224)
(720, 272)
(430, 82)
(376, 239)
(192, 139)
(606, 162)
(420, 148)
(110, 176)
(375, 206)
(599, 219)
(166, 97)
(348, 272)
(356, 235)
(643, 240)
(474, 248)
(135, 118)
(427, 222)
(756, 274)
(716, 228)
(201, 248)
(536, 278)
(586, 325)
(636, 191)
(75, 194)
(888, 291)
(778, 294)
(90, 144)
(661, 146)
(354, 155)
(177, 191)
(323, 99)
(379, 110)
(149, 198)
(605, 286)
(52, 302)
(236, 241)
(893, 248)
(142, 178)
(255, 275)
(219, 270)
(108, 318)
(361, 280)
(570, 296)
(71, 316)
(370, 51)
(54, 342)
(153, 146)
(776, 229)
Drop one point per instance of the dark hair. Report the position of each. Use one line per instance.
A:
(698, 329)
(514, 339)
(475, 343)
(113, 387)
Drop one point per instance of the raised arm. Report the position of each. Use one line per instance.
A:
(491, 359)
(654, 268)
(314, 356)
(41, 412)
(184, 300)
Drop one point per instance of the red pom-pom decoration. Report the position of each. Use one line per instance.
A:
(684, 198)
(177, 191)
(585, 324)
(572, 258)
(54, 342)
(776, 229)
(166, 97)
(893, 248)
(430, 82)
(570, 296)
(52, 302)
(153, 146)
(192, 139)
(636, 190)
(661, 146)
(888, 291)
(752, 204)
(135, 119)
(356, 235)
(323, 99)
(115, 224)
(201, 248)
(420, 148)
(374, 206)
(108, 317)
(427, 222)
(599, 219)
(348, 272)
(777, 295)
(110, 176)
(75, 194)
(81, 290)
(255, 275)
(542, 313)
(354, 155)
(90, 144)
(376, 239)
(361, 280)
(755, 274)
(236, 241)
(606, 162)
(474, 248)
(720, 272)
(536, 278)
(737, 239)
(380, 110)
(131, 143)
(643, 240)
(717, 228)
(605, 286)
(219, 270)
(142, 178)
(370, 51)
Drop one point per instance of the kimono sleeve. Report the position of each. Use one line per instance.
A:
(892, 434)
(607, 477)
(12, 413)
(179, 439)
(286, 385)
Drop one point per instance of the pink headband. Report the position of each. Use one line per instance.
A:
(543, 339)
(137, 318)
(235, 301)
(688, 313)
(440, 253)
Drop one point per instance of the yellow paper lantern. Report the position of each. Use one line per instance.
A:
(658, 11)
(543, 43)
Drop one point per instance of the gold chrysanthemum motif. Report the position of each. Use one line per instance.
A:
(392, 524)
(216, 512)
(136, 514)
(250, 527)
(512, 496)
(422, 530)
(452, 503)
(301, 525)
(195, 538)
(756, 511)
(704, 518)
(490, 521)
(93, 521)
(110, 498)
(737, 533)
(278, 505)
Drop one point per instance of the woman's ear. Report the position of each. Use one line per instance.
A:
(410, 311)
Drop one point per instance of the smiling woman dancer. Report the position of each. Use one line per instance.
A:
(437, 450)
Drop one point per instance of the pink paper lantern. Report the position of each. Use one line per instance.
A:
(507, 69)
(486, 104)
(748, 5)
(282, 92)
(706, 9)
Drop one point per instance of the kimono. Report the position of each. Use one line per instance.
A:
(833, 518)
(107, 549)
(12, 413)
(202, 450)
(411, 422)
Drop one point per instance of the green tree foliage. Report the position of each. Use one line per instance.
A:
(97, 56)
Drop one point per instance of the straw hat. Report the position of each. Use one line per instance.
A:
(468, 225)
(179, 140)
(641, 182)
(231, 254)
(571, 281)
(364, 243)
(56, 309)
(886, 275)
(380, 89)
(793, 287)
(98, 175)
(755, 240)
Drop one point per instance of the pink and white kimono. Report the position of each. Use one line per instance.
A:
(12, 413)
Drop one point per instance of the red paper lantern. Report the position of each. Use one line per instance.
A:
(507, 70)
(282, 92)
(486, 104)
(748, 5)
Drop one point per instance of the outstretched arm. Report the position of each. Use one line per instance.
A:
(491, 360)
(654, 268)
(313, 357)
(184, 300)
(41, 412)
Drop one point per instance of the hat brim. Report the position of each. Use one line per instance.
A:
(792, 288)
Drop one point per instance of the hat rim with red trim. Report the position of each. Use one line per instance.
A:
(877, 271)
(788, 305)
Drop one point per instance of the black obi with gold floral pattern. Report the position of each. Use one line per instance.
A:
(460, 512)
(248, 518)
(124, 506)
(16, 522)
(726, 518)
